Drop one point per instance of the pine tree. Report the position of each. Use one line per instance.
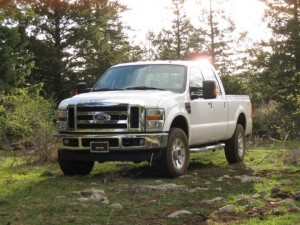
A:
(15, 61)
(278, 63)
(181, 40)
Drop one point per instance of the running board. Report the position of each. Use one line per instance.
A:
(207, 148)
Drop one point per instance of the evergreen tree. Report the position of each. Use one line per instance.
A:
(180, 41)
(220, 39)
(278, 63)
(15, 61)
(75, 40)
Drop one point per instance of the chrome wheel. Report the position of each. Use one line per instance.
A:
(235, 147)
(178, 153)
(175, 159)
(241, 145)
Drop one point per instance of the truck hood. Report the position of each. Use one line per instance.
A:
(149, 98)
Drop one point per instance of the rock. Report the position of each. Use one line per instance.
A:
(220, 179)
(214, 200)
(152, 201)
(171, 187)
(185, 176)
(60, 197)
(290, 204)
(180, 213)
(218, 189)
(256, 195)
(207, 183)
(158, 181)
(297, 196)
(246, 178)
(117, 206)
(242, 201)
(276, 192)
(271, 161)
(226, 209)
(254, 168)
(92, 195)
(287, 182)
(163, 187)
(198, 189)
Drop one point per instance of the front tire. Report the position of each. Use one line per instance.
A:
(175, 158)
(70, 167)
(235, 147)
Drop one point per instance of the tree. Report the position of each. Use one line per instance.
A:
(181, 40)
(219, 37)
(278, 63)
(101, 41)
(75, 40)
(15, 61)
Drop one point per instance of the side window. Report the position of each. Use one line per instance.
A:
(210, 75)
(196, 77)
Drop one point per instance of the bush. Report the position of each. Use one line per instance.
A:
(27, 118)
(272, 118)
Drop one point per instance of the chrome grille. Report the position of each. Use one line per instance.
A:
(117, 117)
(95, 117)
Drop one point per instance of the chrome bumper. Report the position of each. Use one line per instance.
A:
(117, 142)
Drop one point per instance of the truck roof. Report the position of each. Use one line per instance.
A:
(168, 62)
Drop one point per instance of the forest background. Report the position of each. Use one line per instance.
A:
(48, 46)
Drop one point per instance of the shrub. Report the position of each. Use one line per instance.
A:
(27, 118)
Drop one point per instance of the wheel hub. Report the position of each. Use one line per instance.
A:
(178, 153)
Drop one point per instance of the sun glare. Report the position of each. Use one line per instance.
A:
(145, 15)
(248, 15)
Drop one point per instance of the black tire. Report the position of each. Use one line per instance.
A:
(70, 167)
(235, 147)
(175, 158)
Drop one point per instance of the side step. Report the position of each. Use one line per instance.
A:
(207, 148)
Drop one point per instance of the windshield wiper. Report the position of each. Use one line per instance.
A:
(108, 89)
(144, 88)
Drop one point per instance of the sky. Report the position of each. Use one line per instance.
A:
(153, 15)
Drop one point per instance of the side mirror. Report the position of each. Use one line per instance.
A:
(82, 88)
(209, 89)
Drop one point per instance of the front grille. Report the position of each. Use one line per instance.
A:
(95, 117)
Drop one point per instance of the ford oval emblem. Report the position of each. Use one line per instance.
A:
(101, 116)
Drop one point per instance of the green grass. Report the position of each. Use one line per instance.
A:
(41, 194)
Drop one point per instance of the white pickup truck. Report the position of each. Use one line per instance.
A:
(156, 111)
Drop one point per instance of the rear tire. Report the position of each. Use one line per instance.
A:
(235, 147)
(70, 167)
(175, 158)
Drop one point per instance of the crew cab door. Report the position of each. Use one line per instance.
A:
(219, 107)
(200, 112)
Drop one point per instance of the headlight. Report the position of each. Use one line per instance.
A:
(62, 120)
(155, 119)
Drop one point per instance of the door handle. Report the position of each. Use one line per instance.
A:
(211, 105)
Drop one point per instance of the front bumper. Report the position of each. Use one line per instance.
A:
(116, 142)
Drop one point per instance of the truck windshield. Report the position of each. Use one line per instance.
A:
(144, 77)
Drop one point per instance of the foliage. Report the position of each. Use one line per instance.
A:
(15, 61)
(277, 63)
(234, 84)
(26, 117)
(180, 41)
(60, 42)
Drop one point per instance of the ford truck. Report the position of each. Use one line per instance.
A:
(158, 111)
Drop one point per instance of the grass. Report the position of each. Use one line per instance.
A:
(41, 194)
